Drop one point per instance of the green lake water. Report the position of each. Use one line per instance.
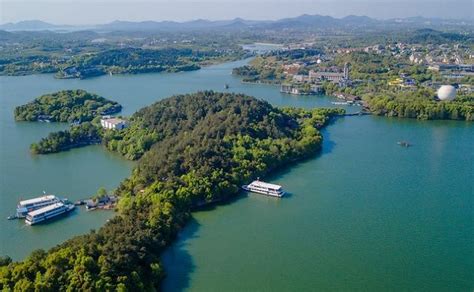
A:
(365, 214)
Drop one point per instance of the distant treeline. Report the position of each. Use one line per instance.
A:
(132, 60)
(115, 61)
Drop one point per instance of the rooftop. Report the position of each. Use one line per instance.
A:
(38, 200)
(46, 209)
(114, 121)
(265, 185)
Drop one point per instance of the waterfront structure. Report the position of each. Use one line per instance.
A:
(26, 206)
(264, 188)
(113, 123)
(48, 212)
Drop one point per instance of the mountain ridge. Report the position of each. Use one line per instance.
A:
(302, 21)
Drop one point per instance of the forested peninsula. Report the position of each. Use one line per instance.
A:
(66, 106)
(192, 149)
(77, 136)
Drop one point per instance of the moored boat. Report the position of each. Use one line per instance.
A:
(30, 205)
(48, 212)
(264, 188)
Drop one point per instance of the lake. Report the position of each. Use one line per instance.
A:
(365, 214)
(79, 173)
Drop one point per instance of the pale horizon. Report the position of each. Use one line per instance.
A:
(88, 12)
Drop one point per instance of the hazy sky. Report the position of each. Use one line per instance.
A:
(102, 11)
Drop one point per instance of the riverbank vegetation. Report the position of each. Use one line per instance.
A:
(66, 106)
(201, 148)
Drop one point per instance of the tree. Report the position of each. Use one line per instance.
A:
(101, 193)
(5, 260)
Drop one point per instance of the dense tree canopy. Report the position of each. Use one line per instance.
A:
(80, 135)
(422, 105)
(66, 106)
(202, 147)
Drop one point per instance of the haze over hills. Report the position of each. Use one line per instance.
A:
(32, 25)
(301, 22)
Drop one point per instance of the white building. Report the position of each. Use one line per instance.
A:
(113, 123)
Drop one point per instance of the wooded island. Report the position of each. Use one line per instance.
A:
(66, 106)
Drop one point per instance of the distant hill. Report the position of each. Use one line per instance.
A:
(173, 25)
(29, 25)
(305, 21)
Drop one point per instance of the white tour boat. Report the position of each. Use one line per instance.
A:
(264, 188)
(26, 206)
(48, 212)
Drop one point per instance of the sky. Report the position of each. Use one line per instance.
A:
(87, 12)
